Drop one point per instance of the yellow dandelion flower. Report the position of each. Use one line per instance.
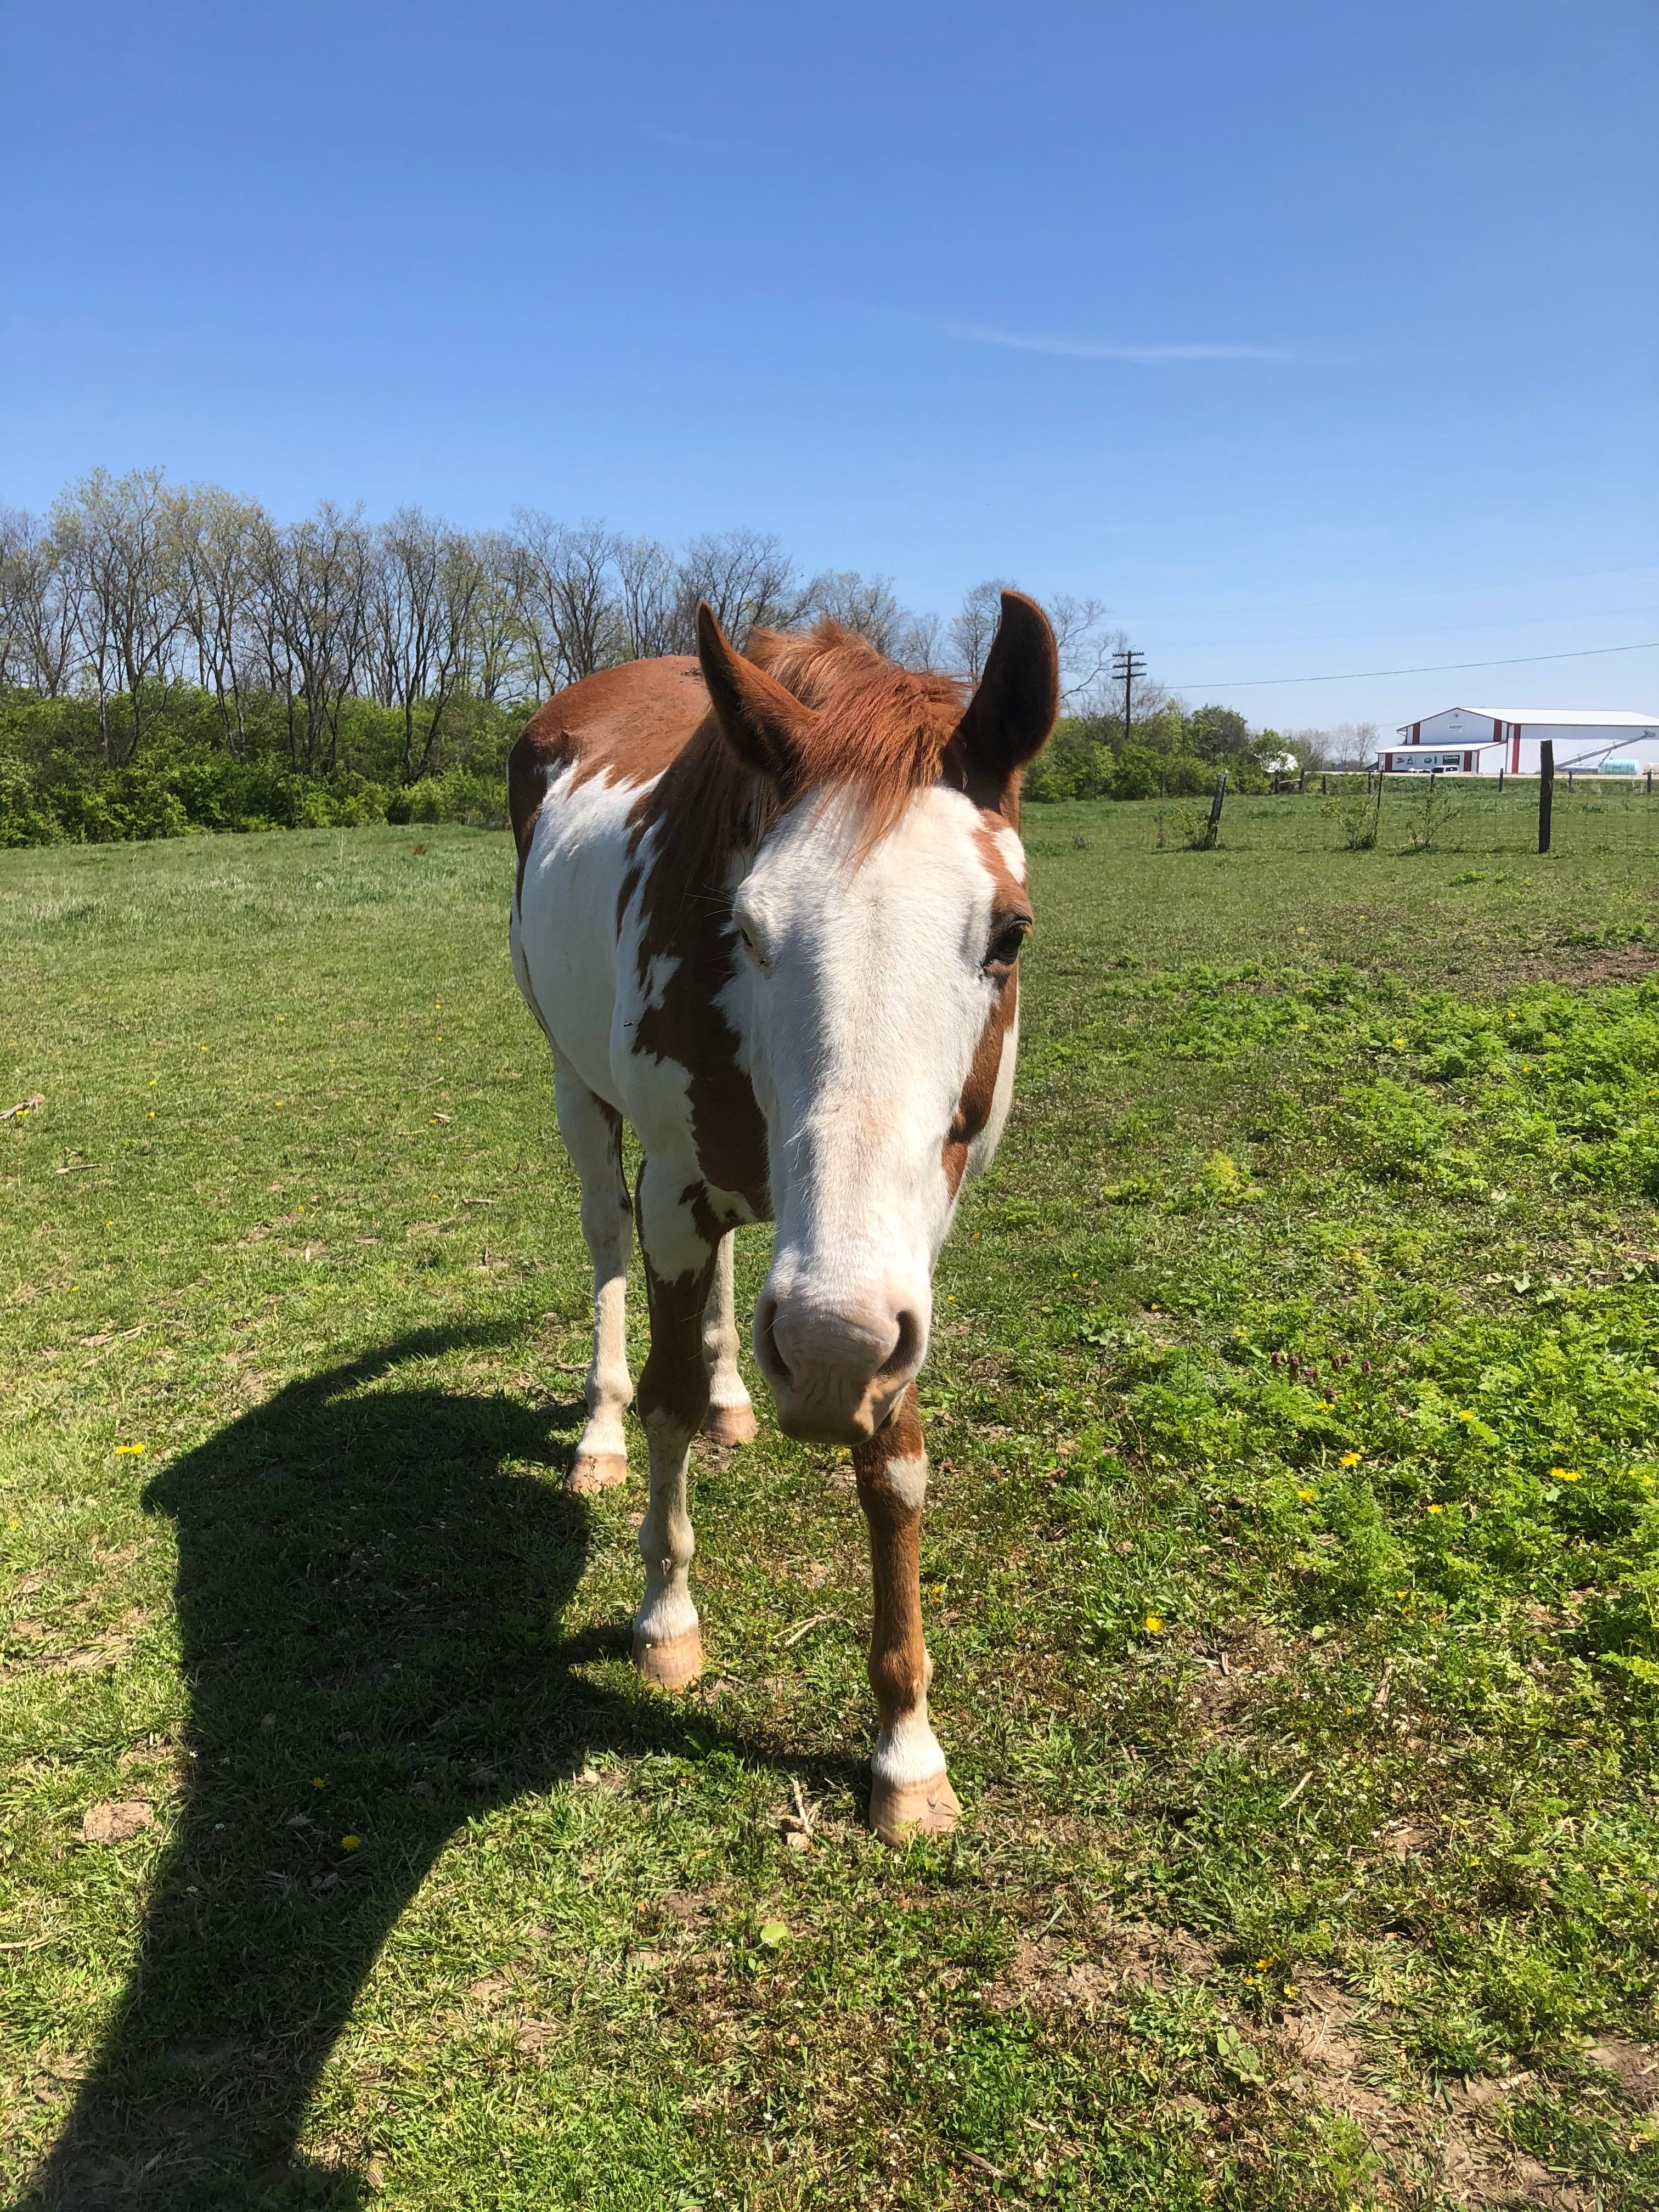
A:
(1400, 1044)
(1154, 1624)
(1566, 1474)
(1349, 1459)
(317, 1782)
(1306, 1496)
(1468, 1417)
(120, 1449)
(1437, 1509)
(349, 1843)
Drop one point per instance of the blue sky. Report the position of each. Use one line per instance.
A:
(1308, 337)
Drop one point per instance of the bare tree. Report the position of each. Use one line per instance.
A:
(974, 627)
(567, 598)
(1344, 745)
(648, 601)
(747, 578)
(216, 544)
(130, 607)
(1084, 645)
(322, 612)
(41, 585)
(427, 583)
(867, 604)
(498, 641)
(921, 644)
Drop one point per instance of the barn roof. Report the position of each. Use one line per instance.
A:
(1557, 718)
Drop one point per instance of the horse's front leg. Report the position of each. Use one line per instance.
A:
(674, 1399)
(909, 1790)
(731, 1416)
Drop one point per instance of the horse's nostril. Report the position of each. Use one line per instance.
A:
(766, 1341)
(907, 1352)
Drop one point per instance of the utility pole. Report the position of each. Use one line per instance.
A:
(1128, 667)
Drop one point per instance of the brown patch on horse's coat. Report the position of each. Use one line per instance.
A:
(1008, 900)
(899, 1657)
(674, 1381)
(980, 1091)
(632, 720)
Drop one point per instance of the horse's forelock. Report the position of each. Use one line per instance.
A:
(880, 731)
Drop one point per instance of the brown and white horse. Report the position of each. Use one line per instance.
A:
(769, 910)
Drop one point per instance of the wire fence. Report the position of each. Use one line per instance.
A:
(1475, 815)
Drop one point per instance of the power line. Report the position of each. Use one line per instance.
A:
(1437, 668)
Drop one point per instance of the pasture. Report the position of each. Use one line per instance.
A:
(1290, 1570)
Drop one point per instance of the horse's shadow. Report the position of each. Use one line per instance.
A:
(369, 1598)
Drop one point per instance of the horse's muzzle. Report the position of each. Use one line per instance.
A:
(837, 1375)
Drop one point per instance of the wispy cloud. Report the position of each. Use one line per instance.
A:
(688, 143)
(1110, 349)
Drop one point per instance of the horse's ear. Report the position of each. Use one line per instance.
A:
(1014, 709)
(764, 725)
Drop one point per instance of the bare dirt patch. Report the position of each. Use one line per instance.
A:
(1581, 967)
(1057, 1973)
(115, 1822)
(1452, 2154)
(1634, 2065)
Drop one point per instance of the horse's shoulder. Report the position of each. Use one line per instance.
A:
(630, 721)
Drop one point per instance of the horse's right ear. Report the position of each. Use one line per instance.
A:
(764, 725)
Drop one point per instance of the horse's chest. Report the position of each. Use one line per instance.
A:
(687, 1091)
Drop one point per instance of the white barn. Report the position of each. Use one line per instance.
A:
(1490, 740)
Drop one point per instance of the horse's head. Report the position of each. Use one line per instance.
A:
(876, 996)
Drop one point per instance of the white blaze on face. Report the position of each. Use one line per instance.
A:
(864, 999)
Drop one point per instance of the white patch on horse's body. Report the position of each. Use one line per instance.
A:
(564, 936)
(1006, 840)
(906, 1478)
(782, 945)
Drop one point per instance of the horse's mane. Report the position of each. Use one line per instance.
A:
(879, 734)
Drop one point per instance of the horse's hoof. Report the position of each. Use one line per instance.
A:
(596, 1471)
(672, 1663)
(900, 1810)
(731, 1425)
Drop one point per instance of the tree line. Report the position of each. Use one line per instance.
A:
(173, 655)
(130, 584)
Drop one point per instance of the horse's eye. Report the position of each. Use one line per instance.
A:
(1004, 945)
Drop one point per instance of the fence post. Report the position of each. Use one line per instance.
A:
(1545, 791)
(1214, 828)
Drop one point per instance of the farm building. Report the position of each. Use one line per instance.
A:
(1491, 740)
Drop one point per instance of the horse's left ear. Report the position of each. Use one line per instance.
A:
(1012, 711)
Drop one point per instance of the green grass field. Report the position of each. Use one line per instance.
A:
(1290, 1573)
